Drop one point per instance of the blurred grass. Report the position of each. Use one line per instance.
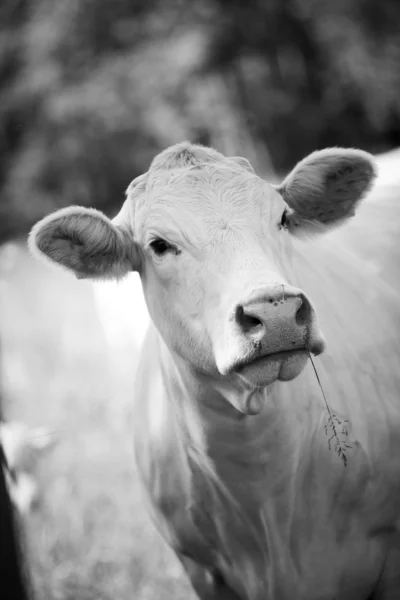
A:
(91, 536)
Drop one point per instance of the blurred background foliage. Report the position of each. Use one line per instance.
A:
(91, 90)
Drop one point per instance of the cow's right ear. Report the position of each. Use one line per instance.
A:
(85, 241)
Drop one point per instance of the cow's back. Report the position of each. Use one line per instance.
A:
(353, 276)
(358, 304)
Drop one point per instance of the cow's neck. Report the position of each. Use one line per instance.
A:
(240, 446)
(249, 488)
(237, 464)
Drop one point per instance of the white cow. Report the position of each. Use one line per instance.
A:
(265, 489)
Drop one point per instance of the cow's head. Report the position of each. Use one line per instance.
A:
(212, 242)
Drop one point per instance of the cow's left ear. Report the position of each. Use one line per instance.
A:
(85, 241)
(323, 190)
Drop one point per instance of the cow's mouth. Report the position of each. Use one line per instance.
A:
(264, 370)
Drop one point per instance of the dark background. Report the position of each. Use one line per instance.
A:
(91, 90)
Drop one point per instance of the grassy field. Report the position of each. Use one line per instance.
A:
(90, 537)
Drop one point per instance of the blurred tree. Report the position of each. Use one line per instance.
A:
(90, 90)
(94, 94)
(317, 72)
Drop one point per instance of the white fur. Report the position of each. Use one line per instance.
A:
(115, 266)
(325, 188)
(62, 212)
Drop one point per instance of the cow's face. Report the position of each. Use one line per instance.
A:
(212, 243)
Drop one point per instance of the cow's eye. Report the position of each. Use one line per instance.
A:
(160, 246)
(283, 221)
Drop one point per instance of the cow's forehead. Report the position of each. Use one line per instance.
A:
(186, 186)
(211, 185)
(205, 197)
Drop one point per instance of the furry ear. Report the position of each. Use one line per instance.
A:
(243, 162)
(86, 242)
(324, 189)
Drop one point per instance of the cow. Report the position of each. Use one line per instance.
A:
(266, 410)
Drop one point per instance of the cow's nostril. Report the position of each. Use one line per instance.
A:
(247, 321)
(303, 313)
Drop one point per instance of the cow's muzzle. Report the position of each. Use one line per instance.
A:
(271, 334)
